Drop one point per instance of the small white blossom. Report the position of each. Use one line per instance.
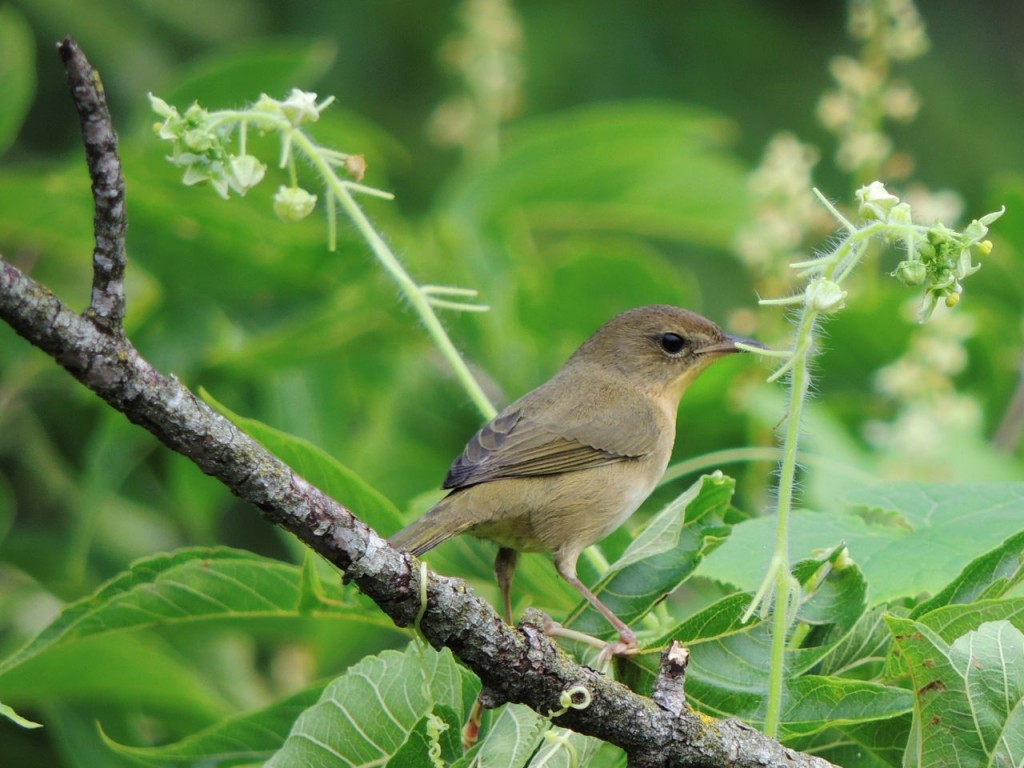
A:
(245, 173)
(825, 296)
(300, 107)
(875, 201)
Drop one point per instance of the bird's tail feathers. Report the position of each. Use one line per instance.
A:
(436, 527)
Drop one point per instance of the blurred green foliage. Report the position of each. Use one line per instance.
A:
(620, 181)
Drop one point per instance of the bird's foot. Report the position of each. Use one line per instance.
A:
(620, 647)
(626, 645)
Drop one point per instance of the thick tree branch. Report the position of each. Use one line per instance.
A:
(515, 665)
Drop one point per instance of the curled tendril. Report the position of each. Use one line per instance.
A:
(568, 700)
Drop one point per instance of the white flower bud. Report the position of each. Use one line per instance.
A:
(245, 173)
(911, 272)
(300, 107)
(875, 201)
(824, 296)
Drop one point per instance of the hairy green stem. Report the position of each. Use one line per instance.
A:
(417, 297)
(340, 191)
(785, 598)
(779, 582)
(418, 300)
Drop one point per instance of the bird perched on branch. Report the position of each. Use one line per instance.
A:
(566, 464)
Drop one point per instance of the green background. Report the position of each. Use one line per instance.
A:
(620, 182)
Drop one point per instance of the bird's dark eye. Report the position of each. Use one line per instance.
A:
(672, 343)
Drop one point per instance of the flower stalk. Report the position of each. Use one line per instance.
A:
(934, 257)
(203, 143)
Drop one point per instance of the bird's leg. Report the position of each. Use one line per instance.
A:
(627, 643)
(627, 637)
(504, 568)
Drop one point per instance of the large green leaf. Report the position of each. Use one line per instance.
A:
(103, 632)
(814, 703)
(730, 657)
(862, 651)
(968, 600)
(251, 737)
(969, 702)
(991, 575)
(125, 669)
(907, 538)
(663, 555)
(371, 712)
(952, 621)
(874, 744)
(512, 736)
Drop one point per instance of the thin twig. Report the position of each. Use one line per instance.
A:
(670, 685)
(110, 221)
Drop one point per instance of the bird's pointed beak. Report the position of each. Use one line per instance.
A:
(729, 346)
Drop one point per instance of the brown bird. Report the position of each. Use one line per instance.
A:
(566, 464)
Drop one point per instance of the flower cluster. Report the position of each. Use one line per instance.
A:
(486, 56)
(202, 146)
(211, 146)
(865, 97)
(935, 257)
(894, 24)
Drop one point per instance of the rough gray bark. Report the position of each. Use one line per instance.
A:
(515, 664)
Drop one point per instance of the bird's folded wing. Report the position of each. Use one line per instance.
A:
(516, 445)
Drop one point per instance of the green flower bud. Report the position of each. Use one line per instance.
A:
(293, 203)
(162, 108)
(911, 272)
(266, 104)
(939, 234)
(901, 214)
(198, 140)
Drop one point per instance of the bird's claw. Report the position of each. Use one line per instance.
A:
(626, 645)
(620, 647)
